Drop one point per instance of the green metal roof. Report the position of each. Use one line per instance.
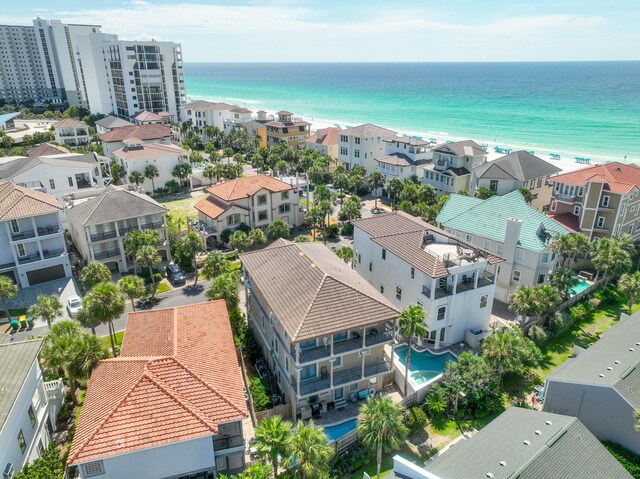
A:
(488, 218)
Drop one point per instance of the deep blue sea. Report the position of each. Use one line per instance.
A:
(576, 108)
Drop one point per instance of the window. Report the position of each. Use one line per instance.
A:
(32, 416)
(52, 184)
(21, 250)
(382, 288)
(338, 393)
(499, 248)
(284, 208)
(15, 226)
(262, 215)
(308, 344)
(356, 153)
(630, 229)
(357, 141)
(262, 200)
(384, 253)
(443, 331)
(398, 293)
(483, 300)
(576, 210)
(493, 185)
(442, 310)
(487, 245)
(519, 254)
(337, 362)
(284, 195)
(21, 442)
(541, 278)
(308, 372)
(342, 336)
(539, 182)
(516, 275)
(40, 448)
(469, 238)
(233, 219)
(605, 201)
(580, 191)
(370, 266)
(344, 151)
(600, 222)
(554, 204)
(359, 258)
(545, 257)
(95, 468)
(413, 272)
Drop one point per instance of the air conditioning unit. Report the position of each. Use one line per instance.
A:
(8, 471)
(364, 352)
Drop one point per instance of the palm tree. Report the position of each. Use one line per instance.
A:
(345, 253)
(563, 279)
(182, 172)
(314, 218)
(356, 180)
(190, 246)
(257, 237)
(225, 287)
(629, 285)
(148, 257)
(524, 302)
(86, 321)
(484, 193)
(136, 178)
(105, 303)
(412, 323)
(394, 188)
(381, 426)
(151, 172)
(132, 287)
(376, 182)
(47, 308)
(8, 290)
(215, 264)
(94, 273)
(609, 257)
(272, 439)
(499, 350)
(210, 172)
(309, 448)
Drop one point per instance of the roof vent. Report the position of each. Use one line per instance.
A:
(609, 368)
(600, 375)
(637, 344)
(616, 362)
(548, 423)
(538, 432)
(503, 463)
(631, 350)
(526, 442)
(489, 474)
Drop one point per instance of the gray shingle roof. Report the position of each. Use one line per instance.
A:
(620, 343)
(13, 168)
(113, 122)
(16, 360)
(519, 165)
(312, 292)
(397, 159)
(369, 130)
(461, 148)
(115, 204)
(564, 449)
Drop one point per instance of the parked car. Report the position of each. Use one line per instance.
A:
(74, 304)
(175, 274)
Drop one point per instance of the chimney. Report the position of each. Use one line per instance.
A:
(262, 115)
(511, 237)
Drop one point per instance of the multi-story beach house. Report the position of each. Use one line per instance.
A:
(325, 141)
(32, 246)
(172, 405)
(321, 327)
(135, 155)
(598, 385)
(520, 443)
(287, 129)
(99, 223)
(510, 228)
(110, 122)
(115, 139)
(412, 262)
(599, 201)
(150, 118)
(204, 113)
(450, 171)
(237, 118)
(514, 171)
(72, 132)
(46, 149)
(361, 145)
(256, 201)
(404, 158)
(28, 405)
(59, 174)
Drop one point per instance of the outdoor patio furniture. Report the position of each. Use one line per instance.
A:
(363, 394)
(353, 397)
(324, 372)
(14, 325)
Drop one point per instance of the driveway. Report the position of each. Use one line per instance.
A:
(62, 288)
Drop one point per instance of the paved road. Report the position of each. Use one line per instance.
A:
(176, 297)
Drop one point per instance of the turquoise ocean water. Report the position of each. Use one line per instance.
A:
(575, 108)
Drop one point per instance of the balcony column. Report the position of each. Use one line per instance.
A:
(364, 337)
(331, 346)
(362, 369)
(455, 283)
(331, 374)
(34, 226)
(475, 279)
(434, 284)
(298, 381)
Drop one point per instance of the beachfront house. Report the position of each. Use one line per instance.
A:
(99, 222)
(412, 262)
(256, 201)
(599, 201)
(321, 327)
(287, 129)
(32, 245)
(450, 170)
(171, 405)
(361, 145)
(28, 405)
(237, 117)
(598, 385)
(204, 113)
(514, 171)
(520, 443)
(510, 228)
(325, 141)
(109, 123)
(70, 132)
(115, 139)
(404, 157)
(145, 117)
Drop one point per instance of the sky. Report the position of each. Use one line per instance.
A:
(361, 30)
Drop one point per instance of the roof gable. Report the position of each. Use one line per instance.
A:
(618, 177)
(19, 202)
(151, 131)
(519, 165)
(247, 186)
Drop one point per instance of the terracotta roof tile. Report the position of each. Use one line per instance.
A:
(152, 131)
(177, 376)
(149, 150)
(211, 206)
(147, 116)
(69, 123)
(326, 136)
(247, 186)
(45, 149)
(618, 177)
(568, 220)
(19, 202)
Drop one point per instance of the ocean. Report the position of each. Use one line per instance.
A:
(574, 108)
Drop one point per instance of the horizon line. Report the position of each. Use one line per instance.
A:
(409, 62)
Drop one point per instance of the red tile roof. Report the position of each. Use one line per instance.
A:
(147, 116)
(618, 177)
(247, 186)
(212, 207)
(177, 378)
(20, 202)
(568, 220)
(143, 132)
(326, 136)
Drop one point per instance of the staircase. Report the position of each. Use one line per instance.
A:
(341, 404)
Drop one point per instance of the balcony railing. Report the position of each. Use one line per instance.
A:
(565, 197)
(153, 225)
(103, 236)
(347, 345)
(313, 354)
(106, 254)
(23, 235)
(29, 259)
(52, 253)
(7, 265)
(377, 338)
(488, 279)
(48, 230)
(347, 376)
(310, 386)
(379, 367)
(123, 230)
(440, 292)
(222, 443)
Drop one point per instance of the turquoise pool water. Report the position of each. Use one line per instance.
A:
(580, 287)
(425, 365)
(339, 430)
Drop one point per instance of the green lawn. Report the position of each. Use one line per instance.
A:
(163, 288)
(235, 265)
(183, 208)
(387, 463)
(107, 342)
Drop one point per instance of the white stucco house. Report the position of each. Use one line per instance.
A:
(360, 145)
(450, 171)
(154, 133)
(204, 113)
(28, 405)
(72, 132)
(404, 157)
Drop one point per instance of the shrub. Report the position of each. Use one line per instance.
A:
(558, 323)
(354, 458)
(609, 295)
(347, 229)
(260, 393)
(333, 231)
(243, 227)
(225, 235)
(172, 186)
(629, 460)
(537, 335)
(65, 410)
(302, 239)
(415, 419)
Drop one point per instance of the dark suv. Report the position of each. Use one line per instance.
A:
(175, 274)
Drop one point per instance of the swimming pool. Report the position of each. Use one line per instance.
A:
(339, 430)
(580, 287)
(425, 365)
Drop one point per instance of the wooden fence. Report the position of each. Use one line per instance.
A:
(585, 292)
(246, 385)
(284, 411)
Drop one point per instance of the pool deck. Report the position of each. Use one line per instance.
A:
(455, 349)
(335, 416)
